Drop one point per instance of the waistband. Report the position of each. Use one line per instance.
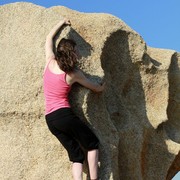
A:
(60, 113)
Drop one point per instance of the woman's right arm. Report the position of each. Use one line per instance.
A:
(80, 78)
(49, 39)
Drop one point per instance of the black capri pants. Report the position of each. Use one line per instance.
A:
(72, 133)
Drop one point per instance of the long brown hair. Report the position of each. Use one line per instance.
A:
(66, 56)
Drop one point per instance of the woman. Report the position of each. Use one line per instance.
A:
(60, 73)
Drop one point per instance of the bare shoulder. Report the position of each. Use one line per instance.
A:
(74, 76)
(71, 77)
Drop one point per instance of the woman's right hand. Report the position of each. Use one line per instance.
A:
(67, 21)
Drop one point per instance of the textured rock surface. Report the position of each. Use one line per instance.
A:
(137, 118)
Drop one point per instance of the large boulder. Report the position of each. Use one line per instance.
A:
(137, 117)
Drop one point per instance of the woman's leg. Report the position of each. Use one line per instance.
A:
(92, 157)
(77, 169)
(88, 141)
(75, 152)
(77, 129)
(61, 128)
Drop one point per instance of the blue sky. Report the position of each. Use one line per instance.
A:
(157, 21)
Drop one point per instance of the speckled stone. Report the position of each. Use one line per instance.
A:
(136, 118)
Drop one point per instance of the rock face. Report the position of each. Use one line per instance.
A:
(137, 117)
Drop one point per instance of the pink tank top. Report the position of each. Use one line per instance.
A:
(56, 91)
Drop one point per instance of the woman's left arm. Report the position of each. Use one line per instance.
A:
(49, 39)
(79, 77)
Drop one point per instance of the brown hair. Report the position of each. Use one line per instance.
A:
(66, 56)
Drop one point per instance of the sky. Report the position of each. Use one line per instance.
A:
(157, 21)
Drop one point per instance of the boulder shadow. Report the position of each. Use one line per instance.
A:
(119, 114)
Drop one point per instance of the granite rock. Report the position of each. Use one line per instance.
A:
(136, 118)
